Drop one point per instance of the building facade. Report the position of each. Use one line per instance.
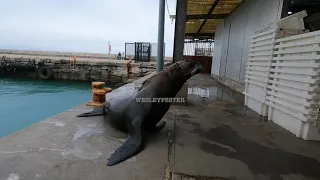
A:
(232, 39)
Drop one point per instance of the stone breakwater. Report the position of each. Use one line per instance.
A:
(59, 54)
(84, 69)
(55, 54)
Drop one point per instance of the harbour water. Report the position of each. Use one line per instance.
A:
(24, 102)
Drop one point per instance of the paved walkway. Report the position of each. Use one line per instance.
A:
(219, 139)
(212, 138)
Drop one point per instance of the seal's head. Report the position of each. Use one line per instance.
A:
(175, 75)
(185, 69)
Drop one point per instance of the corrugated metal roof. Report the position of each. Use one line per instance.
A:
(221, 8)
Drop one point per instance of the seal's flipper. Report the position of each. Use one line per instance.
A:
(98, 112)
(132, 146)
(158, 127)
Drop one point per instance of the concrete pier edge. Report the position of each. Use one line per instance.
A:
(211, 138)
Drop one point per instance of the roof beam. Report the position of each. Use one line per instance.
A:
(195, 40)
(199, 35)
(210, 12)
(206, 16)
(203, 16)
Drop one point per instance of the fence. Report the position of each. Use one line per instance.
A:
(130, 51)
(198, 48)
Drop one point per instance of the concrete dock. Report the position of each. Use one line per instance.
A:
(213, 138)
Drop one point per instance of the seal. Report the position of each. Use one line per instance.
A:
(135, 117)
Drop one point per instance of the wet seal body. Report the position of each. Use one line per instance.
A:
(135, 117)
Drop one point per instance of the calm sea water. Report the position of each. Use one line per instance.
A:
(24, 102)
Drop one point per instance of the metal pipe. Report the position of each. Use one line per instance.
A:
(109, 50)
(160, 35)
(179, 32)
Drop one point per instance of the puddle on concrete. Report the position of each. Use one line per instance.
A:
(200, 92)
(234, 101)
(80, 132)
(13, 176)
(83, 154)
(260, 159)
(58, 124)
(198, 177)
(186, 121)
(85, 131)
(239, 110)
(216, 93)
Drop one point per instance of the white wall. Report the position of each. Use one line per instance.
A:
(232, 38)
(217, 50)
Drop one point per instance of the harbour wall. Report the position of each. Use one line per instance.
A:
(63, 68)
(56, 54)
(104, 56)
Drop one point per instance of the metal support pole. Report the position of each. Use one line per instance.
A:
(109, 51)
(160, 35)
(180, 27)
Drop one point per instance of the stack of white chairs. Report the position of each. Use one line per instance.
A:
(293, 92)
(258, 69)
(283, 76)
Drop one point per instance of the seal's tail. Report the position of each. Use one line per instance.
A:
(98, 112)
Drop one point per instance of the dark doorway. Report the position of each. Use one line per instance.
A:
(312, 21)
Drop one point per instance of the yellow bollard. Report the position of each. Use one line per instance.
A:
(98, 94)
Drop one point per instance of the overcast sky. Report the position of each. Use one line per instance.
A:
(81, 25)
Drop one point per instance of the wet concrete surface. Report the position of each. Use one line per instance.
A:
(213, 138)
(260, 159)
(69, 148)
(216, 137)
